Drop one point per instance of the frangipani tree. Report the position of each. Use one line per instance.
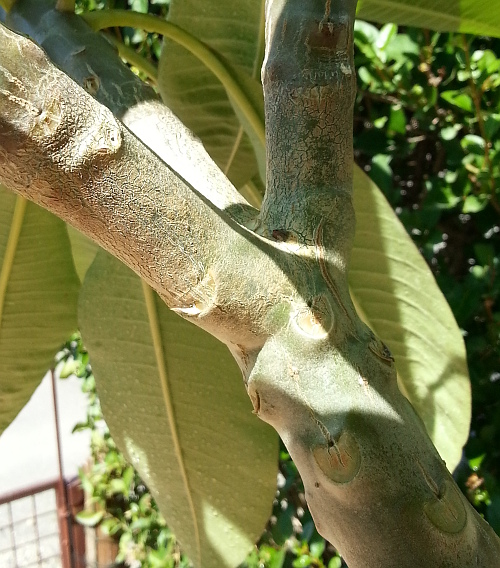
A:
(268, 282)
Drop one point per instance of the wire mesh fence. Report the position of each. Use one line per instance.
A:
(38, 530)
(29, 529)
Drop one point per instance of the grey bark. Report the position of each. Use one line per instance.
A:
(273, 286)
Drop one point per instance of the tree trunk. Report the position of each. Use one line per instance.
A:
(272, 285)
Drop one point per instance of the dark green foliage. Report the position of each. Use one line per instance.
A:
(148, 45)
(426, 130)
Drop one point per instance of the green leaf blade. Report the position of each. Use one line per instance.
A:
(469, 16)
(83, 249)
(199, 422)
(235, 32)
(38, 298)
(397, 295)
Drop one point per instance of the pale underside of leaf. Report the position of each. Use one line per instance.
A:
(395, 292)
(235, 32)
(154, 325)
(83, 249)
(468, 16)
(38, 296)
(10, 248)
(174, 401)
(255, 75)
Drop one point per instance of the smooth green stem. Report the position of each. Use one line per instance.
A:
(111, 18)
(133, 58)
(6, 4)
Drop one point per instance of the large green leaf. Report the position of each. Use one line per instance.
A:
(174, 400)
(83, 249)
(397, 295)
(235, 30)
(480, 17)
(38, 298)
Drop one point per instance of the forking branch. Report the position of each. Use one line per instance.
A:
(278, 295)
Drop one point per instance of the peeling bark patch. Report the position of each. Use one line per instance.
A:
(255, 399)
(205, 293)
(280, 235)
(339, 459)
(49, 119)
(193, 310)
(109, 140)
(330, 35)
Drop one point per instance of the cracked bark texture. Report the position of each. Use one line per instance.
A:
(272, 286)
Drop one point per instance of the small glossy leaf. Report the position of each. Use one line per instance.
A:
(317, 548)
(385, 35)
(473, 144)
(38, 297)
(473, 204)
(89, 518)
(400, 46)
(459, 99)
(450, 132)
(397, 122)
(175, 403)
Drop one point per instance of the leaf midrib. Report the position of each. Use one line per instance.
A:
(256, 66)
(455, 21)
(10, 250)
(154, 325)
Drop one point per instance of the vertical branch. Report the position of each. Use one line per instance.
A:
(309, 90)
(309, 86)
(375, 485)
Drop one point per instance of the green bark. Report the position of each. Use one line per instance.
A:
(273, 287)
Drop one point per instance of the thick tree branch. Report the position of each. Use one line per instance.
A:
(90, 60)
(61, 149)
(376, 486)
(80, 162)
(309, 86)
